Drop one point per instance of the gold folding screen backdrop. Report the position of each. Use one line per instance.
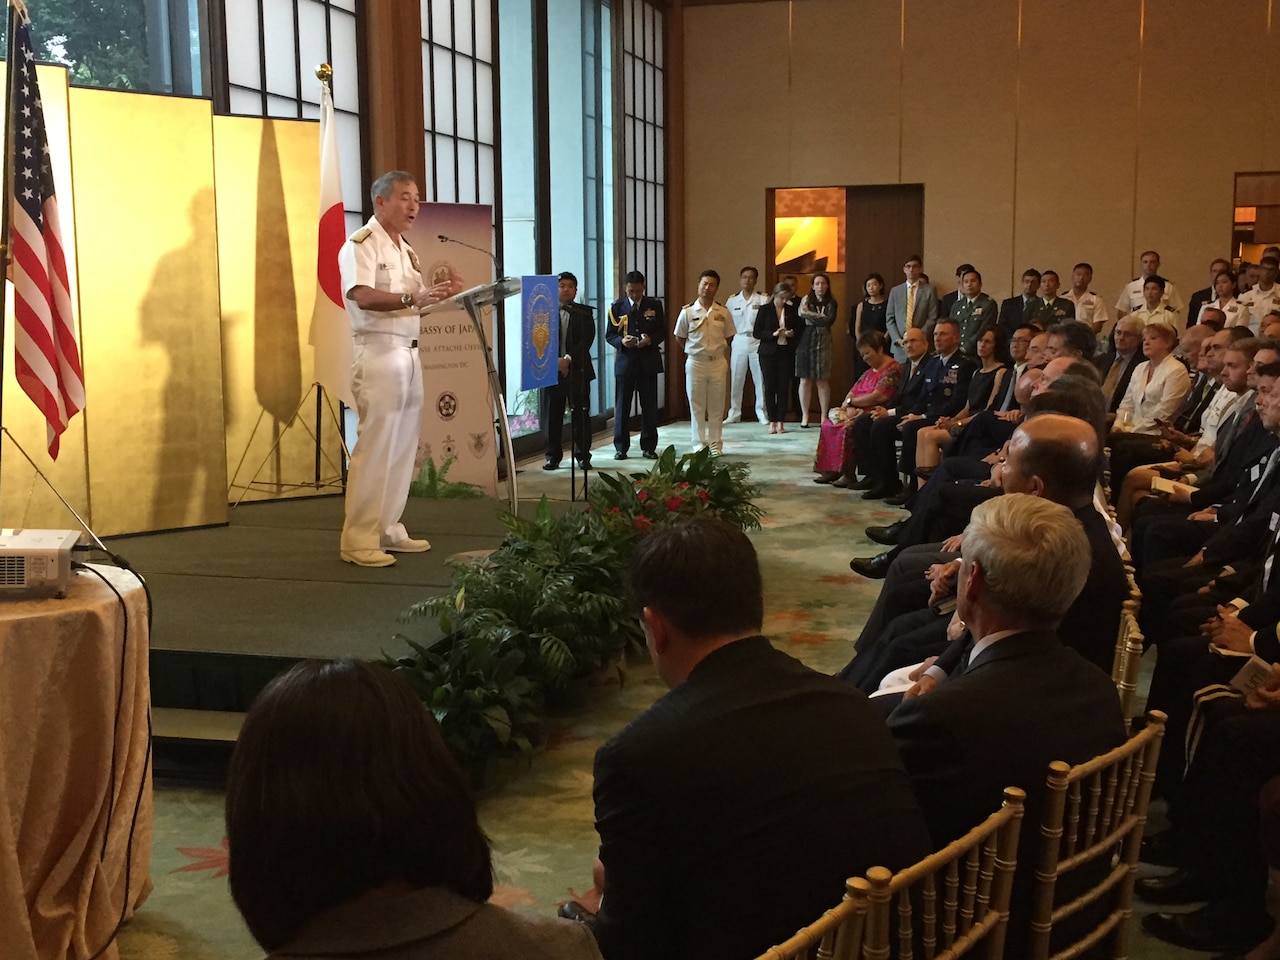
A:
(195, 246)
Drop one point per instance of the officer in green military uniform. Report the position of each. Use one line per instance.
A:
(1048, 308)
(973, 311)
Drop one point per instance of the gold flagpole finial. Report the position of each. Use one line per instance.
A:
(324, 72)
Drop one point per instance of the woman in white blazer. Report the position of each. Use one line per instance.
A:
(1158, 386)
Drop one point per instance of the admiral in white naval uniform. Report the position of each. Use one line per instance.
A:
(383, 291)
(704, 329)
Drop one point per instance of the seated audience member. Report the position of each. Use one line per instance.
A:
(1194, 454)
(1052, 456)
(836, 457)
(943, 386)
(1242, 440)
(1157, 390)
(368, 845)
(1214, 837)
(985, 386)
(1020, 699)
(1117, 365)
(941, 508)
(1070, 339)
(731, 812)
(867, 431)
(1271, 326)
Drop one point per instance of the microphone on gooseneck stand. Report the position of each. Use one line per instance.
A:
(497, 267)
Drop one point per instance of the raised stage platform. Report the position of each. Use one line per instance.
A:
(235, 605)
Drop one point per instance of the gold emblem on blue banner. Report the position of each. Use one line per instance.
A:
(541, 332)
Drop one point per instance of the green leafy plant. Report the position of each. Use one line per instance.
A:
(432, 485)
(674, 490)
(548, 607)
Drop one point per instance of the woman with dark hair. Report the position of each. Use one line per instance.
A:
(813, 352)
(351, 829)
(777, 326)
(835, 460)
(868, 315)
(984, 387)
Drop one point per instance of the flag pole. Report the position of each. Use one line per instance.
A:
(15, 10)
(324, 73)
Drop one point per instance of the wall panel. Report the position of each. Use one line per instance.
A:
(1077, 116)
(738, 136)
(958, 130)
(1190, 138)
(148, 262)
(267, 175)
(1023, 119)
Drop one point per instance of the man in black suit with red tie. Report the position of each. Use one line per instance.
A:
(637, 328)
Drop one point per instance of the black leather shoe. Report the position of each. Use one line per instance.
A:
(1214, 928)
(573, 910)
(876, 491)
(887, 535)
(620, 455)
(1181, 886)
(1160, 849)
(648, 455)
(863, 484)
(873, 568)
(900, 498)
(551, 465)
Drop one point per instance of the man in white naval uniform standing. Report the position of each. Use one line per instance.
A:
(704, 329)
(383, 291)
(742, 306)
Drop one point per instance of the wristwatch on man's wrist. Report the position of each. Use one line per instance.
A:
(406, 299)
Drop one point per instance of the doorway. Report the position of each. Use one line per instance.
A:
(846, 232)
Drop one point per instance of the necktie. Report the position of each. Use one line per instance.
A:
(1112, 379)
(1007, 388)
(911, 306)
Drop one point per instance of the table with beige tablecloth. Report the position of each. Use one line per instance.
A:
(75, 774)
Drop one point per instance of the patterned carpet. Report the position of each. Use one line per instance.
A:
(539, 814)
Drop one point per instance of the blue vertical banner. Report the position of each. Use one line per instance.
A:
(539, 332)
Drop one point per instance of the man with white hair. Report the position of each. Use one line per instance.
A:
(1020, 698)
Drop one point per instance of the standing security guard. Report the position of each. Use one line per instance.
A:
(383, 291)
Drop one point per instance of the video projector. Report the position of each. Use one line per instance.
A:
(35, 562)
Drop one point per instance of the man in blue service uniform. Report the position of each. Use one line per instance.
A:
(383, 290)
(637, 327)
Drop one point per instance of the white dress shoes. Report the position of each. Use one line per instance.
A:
(368, 558)
(408, 545)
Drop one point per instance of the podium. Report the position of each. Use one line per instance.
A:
(473, 301)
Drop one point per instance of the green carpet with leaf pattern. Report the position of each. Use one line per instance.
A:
(538, 813)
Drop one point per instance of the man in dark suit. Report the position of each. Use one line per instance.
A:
(731, 812)
(1013, 311)
(577, 332)
(1117, 364)
(1051, 456)
(1206, 294)
(637, 328)
(1021, 699)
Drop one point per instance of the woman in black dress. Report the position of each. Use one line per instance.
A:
(777, 326)
(868, 315)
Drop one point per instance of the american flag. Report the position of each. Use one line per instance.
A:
(47, 364)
